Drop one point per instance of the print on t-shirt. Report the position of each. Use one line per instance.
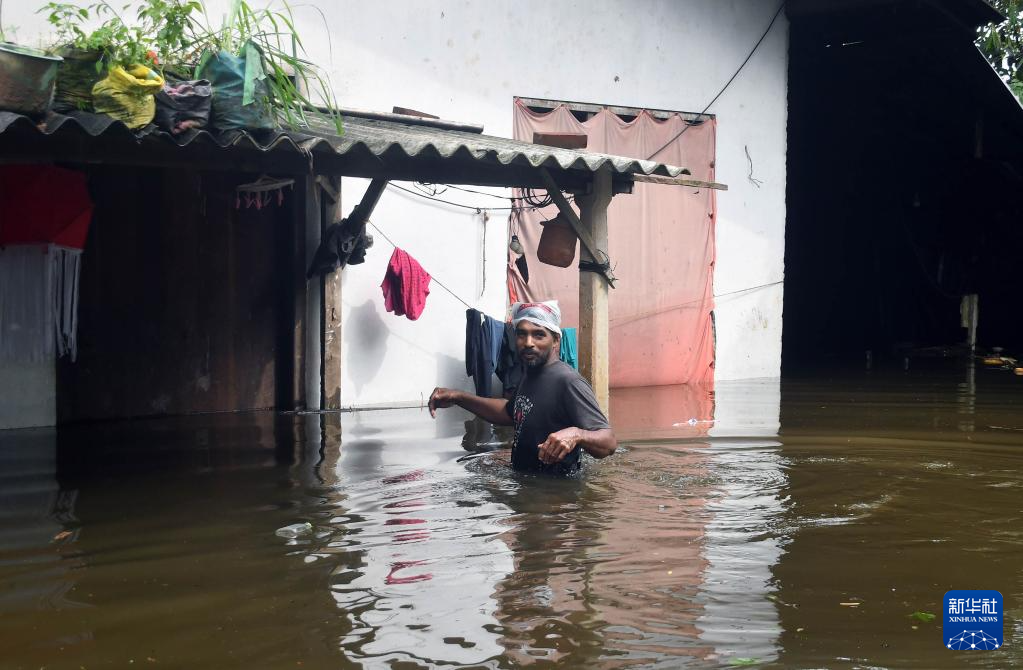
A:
(523, 406)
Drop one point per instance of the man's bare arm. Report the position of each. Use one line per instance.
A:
(493, 410)
(597, 443)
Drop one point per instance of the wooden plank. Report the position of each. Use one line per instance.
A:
(332, 311)
(368, 203)
(311, 230)
(594, 322)
(329, 186)
(614, 109)
(407, 111)
(443, 124)
(290, 300)
(679, 181)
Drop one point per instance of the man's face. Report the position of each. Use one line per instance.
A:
(535, 344)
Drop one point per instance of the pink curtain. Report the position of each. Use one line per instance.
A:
(661, 241)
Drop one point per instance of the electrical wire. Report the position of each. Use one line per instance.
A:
(728, 83)
(475, 208)
(530, 198)
(568, 197)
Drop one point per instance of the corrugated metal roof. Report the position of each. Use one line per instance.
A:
(382, 137)
(368, 147)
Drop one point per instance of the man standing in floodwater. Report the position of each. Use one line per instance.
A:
(554, 410)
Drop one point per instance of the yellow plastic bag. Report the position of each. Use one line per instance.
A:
(127, 95)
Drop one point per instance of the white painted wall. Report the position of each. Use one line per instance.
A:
(464, 61)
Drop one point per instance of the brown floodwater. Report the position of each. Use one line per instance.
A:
(797, 525)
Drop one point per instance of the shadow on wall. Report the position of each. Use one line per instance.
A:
(367, 337)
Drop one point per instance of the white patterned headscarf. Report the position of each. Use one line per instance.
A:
(544, 314)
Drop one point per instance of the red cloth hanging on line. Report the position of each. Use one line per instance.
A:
(406, 285)
(42, 204)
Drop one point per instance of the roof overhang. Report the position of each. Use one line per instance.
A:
(416, 150)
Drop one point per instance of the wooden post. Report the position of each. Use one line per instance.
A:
(593, 311)
(313, 346)
(969, 306)
(330, 189)
(289, 368)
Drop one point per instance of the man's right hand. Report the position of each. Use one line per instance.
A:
(441, 398)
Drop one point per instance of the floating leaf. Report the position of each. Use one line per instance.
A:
(739, 662)
(926, 617)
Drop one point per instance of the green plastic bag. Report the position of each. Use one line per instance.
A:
(240, 94)
(127, 95)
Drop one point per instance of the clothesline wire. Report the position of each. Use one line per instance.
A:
(673, 307)
(432, 277)
(727, 84)
(639, 317)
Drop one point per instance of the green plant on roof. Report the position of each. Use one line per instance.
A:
(114, 40)
(178, 34)
(169, 23)
(291, 79)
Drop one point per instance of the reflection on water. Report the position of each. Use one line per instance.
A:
(733, 528)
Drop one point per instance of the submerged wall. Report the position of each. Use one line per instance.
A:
(466, 61)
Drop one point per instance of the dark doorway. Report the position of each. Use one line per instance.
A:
(905, 164)
(182, 293)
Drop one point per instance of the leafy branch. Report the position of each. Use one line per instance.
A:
(1002, 44)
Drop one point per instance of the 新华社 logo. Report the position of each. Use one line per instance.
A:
(972, 620)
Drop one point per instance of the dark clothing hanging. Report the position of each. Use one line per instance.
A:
(483, 337)
(510, 368)
(342, 244)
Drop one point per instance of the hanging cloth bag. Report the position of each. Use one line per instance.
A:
(241, 98)
(127, 95)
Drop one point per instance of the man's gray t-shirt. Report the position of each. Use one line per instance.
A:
(549, 399)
